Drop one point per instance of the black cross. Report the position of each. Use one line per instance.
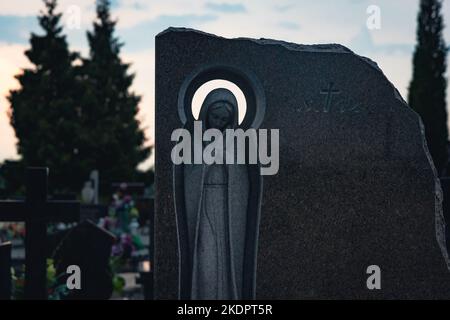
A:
(329, 92)
(5, 271)
(36, 211)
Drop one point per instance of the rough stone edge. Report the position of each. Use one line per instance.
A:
(288, 45)
(337, 48)
(329, 48)
(439, 215)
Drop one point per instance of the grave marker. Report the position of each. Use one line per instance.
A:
(356, 186)
(89, 247)
(36, 211)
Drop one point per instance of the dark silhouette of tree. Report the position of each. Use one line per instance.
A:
(77, 117)
(44, 113)
(427, 91)
(112, 135)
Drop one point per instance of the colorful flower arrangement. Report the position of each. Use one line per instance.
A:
(12, 230)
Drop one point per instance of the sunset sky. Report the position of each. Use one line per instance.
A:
(301, 21)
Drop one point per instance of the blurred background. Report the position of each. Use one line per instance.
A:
(77, 96)
(391, 43)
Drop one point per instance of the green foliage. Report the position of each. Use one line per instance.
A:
(109, 103)
(18, 284)
(44, 110)
(56, 291)
(427, 91)
(13, 173)
(116, 263)
(76, 117)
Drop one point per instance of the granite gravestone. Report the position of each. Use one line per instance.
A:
(355, 188)
(88, 247)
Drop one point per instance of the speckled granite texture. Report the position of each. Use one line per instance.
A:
(355, 188)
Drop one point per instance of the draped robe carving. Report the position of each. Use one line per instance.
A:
(217, 210)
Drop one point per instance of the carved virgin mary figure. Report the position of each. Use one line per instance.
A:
(217, 208)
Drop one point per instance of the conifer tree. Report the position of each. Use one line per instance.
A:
(427, 91)
(44, 113)
(112, 133)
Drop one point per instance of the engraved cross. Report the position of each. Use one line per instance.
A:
(329, 92)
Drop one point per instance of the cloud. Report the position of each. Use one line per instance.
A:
(363, 43)
(15, 29)
(136, 12)
(12, 59)
(284, 7)
(33, 7)
(143, 65)
(17, 8)
(18, 21)
(141, 36)
(289, 25)
(396, 67)
(226, 7)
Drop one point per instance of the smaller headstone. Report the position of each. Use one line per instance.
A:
(146, 279)
(5, 271)
(95, 178)
(93, 212)
(88, 193)
(88, 247)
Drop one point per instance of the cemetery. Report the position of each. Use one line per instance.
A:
(109, 246)
(278, 170)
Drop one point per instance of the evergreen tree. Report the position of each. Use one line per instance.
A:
(43, 110)
(112, 134)
(427, 91)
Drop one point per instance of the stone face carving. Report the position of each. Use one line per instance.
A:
(212, 205)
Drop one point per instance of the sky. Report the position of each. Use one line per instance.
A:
(390, 44)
